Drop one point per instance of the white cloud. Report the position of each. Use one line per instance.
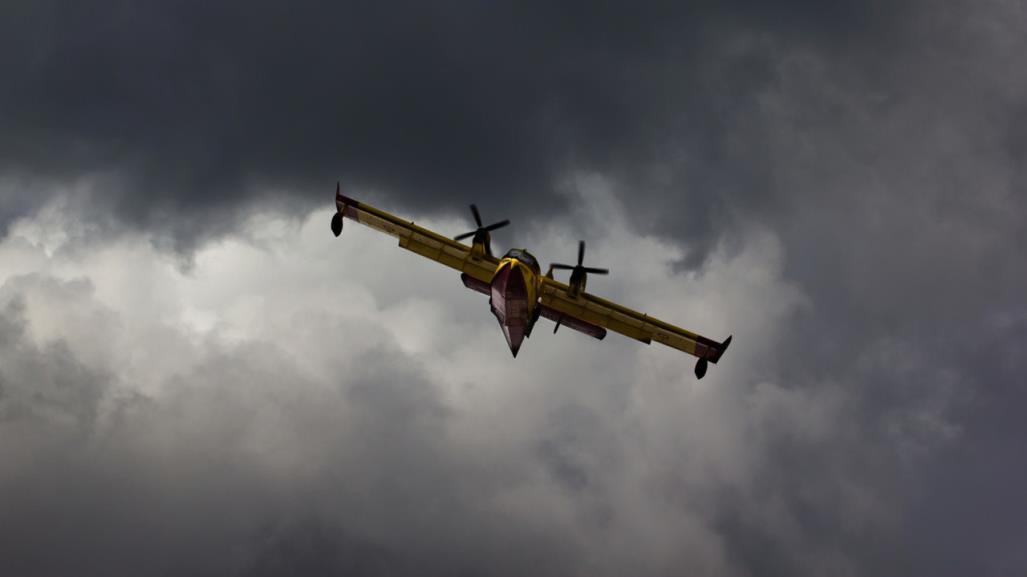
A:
(357, 384)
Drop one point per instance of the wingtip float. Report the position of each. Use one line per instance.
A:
(519, 294)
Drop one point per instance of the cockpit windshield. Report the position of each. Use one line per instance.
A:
(525, 257)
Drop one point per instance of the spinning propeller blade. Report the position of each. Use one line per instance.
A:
(579, 268)
(481, 228)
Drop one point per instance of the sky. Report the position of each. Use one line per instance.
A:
(196, 378)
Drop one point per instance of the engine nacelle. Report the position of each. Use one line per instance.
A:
(577, 283)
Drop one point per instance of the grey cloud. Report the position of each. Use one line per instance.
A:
(249, 460)
(882, 143)
(243, 466)
(200, 109)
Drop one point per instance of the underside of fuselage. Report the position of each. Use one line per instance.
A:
(511, 302)
(510, 305)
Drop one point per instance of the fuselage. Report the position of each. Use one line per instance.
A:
(514, 294)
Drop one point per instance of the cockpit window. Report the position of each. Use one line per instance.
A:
(523, 256)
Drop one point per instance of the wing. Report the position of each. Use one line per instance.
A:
(602, 313)
(470, 261)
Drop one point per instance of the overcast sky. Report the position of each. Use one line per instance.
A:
(196, 378)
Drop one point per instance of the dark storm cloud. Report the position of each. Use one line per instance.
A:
(882, 142)
(197, 108)
(898, 192)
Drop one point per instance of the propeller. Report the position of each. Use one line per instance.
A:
(481, 229)
(579, 268)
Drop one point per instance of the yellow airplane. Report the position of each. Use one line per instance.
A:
(519, 293)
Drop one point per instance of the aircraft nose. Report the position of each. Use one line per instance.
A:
(514, 338)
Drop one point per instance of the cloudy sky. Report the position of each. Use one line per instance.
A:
(196, 378)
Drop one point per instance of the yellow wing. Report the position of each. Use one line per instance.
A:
(603, 313)
(471, 260)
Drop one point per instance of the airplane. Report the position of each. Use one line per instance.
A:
(518, 291)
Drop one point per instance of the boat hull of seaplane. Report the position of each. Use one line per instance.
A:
(511, 304)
